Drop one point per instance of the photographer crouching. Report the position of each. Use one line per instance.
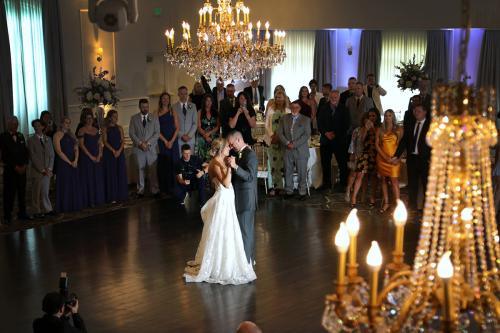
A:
(61, 312)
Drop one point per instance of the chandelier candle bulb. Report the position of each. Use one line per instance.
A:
(352, 224)
(445, 273)
(342, 244)
(374, 260)
(400, 217)
(201, 17)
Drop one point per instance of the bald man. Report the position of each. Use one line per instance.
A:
(248, 327)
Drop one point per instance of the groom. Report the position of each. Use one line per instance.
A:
(245, 189)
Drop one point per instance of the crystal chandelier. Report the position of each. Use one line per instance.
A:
(454, 285)
(226, 47)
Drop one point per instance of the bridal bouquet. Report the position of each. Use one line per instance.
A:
(101, 90)
(410, 73)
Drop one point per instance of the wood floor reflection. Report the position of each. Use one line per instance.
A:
(126, 267)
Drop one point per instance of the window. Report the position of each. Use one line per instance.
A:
(29, 80)
(399, 46)
(297, 69)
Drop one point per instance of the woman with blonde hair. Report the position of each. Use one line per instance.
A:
(386, 143)
(220, 257)
(275, 162)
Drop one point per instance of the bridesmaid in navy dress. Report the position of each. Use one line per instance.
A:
(167, 144)
(115, 169)
(68, 194)
(90, 165)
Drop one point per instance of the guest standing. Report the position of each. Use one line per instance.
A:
(373, 91)
(418, 154)
(351, 85)
(333, 123)
(197, 95)
(115, 168)
(50, 125)
(294, 132)
(276, 109)
(327, 88)
(226, 109)
(144, 130)
(424, 98)
(15, 157)
(41, 153)
(256, 94)
(219, 93)
(307, 105)
(167, 144)
(243, 118)
(68, 193)
(358, 104)
(208, 127)
(315, 94)
(365, 153)
(188, 119)
(386, 142)
(90, 163)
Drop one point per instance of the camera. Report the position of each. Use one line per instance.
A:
(113, 15)
(349, 50)
(70, 298)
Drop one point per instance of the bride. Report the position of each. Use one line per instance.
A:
(220, 257)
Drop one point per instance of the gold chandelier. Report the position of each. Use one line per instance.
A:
(454, 285)
(226, 47)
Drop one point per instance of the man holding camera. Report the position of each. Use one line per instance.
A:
(58, 315)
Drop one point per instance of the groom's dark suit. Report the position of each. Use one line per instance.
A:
(245, 191)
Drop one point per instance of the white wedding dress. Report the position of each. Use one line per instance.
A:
(220, 257)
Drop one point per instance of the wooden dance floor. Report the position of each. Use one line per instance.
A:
(126, 267)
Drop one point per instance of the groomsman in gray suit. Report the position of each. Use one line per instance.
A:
(42, 163)
(188, 119)
(144, 130)
(294, 132)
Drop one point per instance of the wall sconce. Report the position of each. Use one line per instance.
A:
(99, 53)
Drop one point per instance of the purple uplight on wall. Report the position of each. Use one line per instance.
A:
(473, 53)
(346, 64)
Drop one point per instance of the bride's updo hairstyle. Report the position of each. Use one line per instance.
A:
(217, 146)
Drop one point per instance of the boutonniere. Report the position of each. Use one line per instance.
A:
(240, 153)
(189, 106)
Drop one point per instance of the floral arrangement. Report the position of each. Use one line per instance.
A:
(410, 74)
(100, 91)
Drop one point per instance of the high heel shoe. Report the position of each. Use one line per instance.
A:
(384, 208)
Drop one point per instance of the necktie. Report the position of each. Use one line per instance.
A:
(255, 100)
(232, 102)
(41, 141)
(415, 137)
(143, 121)
(184, 111)
(358, 101)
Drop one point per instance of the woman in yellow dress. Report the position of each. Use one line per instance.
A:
(386, 143)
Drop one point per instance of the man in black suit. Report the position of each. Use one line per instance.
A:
(256, 94)
(333, 123)
(424, 98)
(418, 153)
(351, 85)
(15, 157)
(226, 109)
(219, 93)
(326, 90)
(57, 317)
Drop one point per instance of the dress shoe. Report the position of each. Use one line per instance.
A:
(288, 196)
(51, 213)
(303, 197)
(140, 195)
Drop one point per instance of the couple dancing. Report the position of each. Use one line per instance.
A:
(225, 253)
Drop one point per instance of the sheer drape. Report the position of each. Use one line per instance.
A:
(489, 63)
(5, 70)
(29, 81)
(297, 69)
(437, 55)
(324, 56)
(369, 54)
(399, 46)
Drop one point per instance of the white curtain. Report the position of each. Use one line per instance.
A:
(399, 46)
(29, 80)
(297, 69)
